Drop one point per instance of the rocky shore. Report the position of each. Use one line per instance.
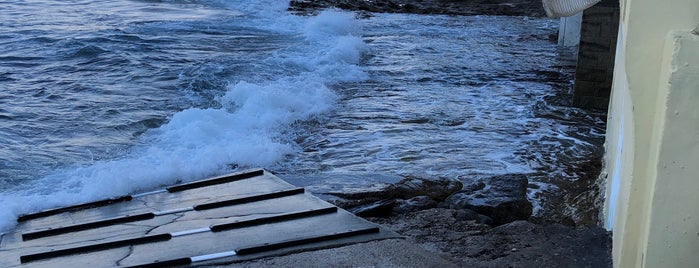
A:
(486, 222)
(530, 8)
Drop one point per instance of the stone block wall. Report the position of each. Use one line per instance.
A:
(595, 68)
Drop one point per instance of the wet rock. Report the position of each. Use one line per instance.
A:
(382, 208)
(414, 204)
(465, 214)
(410, 194)
(407, 188)
(445, 7)
(474, 186)
(504, 199)
(516, 244)
(470, 215)
(435, 189)
(533, 186)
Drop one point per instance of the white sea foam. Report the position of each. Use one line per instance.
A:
(248, 129)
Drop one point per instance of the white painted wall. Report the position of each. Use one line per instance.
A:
(653, 137)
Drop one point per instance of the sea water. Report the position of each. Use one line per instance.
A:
(105, 98)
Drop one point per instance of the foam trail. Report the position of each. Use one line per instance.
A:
(248, 129)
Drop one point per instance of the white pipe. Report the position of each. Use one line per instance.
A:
(213, 256)
(172, 211)
(566, 8)
(189, 232)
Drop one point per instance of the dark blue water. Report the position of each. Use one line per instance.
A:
(99, 98)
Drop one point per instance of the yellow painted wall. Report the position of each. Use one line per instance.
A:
(673, 235)
(653, 136)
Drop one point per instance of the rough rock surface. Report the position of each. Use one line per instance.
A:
(516, 244)
(497, 200)
(410, 194)
(434, 189)
(417, 203)
(502, 198)
(479, 224)
(530, 8)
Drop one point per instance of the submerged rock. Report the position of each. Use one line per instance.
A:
(503, 198)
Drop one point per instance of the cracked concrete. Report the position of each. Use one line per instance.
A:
(118, 262)
(176, 217)
(160, 245)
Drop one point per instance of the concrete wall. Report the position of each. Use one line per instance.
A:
(569, 30)
(673, 235)
(652, 144)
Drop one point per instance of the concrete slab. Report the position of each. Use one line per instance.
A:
(381, 253)
(238, 217)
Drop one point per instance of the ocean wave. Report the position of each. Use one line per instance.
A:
(250, 127)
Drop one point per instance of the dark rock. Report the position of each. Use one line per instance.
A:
(551, 245)
(408, 188)
(474, 187)
(483, 219)
(434, 189)
(353, 186)
(533, 186)
(444, 7)
(414, 204)
(465, 215)
(470, 215)
(411, 194)
(504, 199)
(516, 244)
(382, 208)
